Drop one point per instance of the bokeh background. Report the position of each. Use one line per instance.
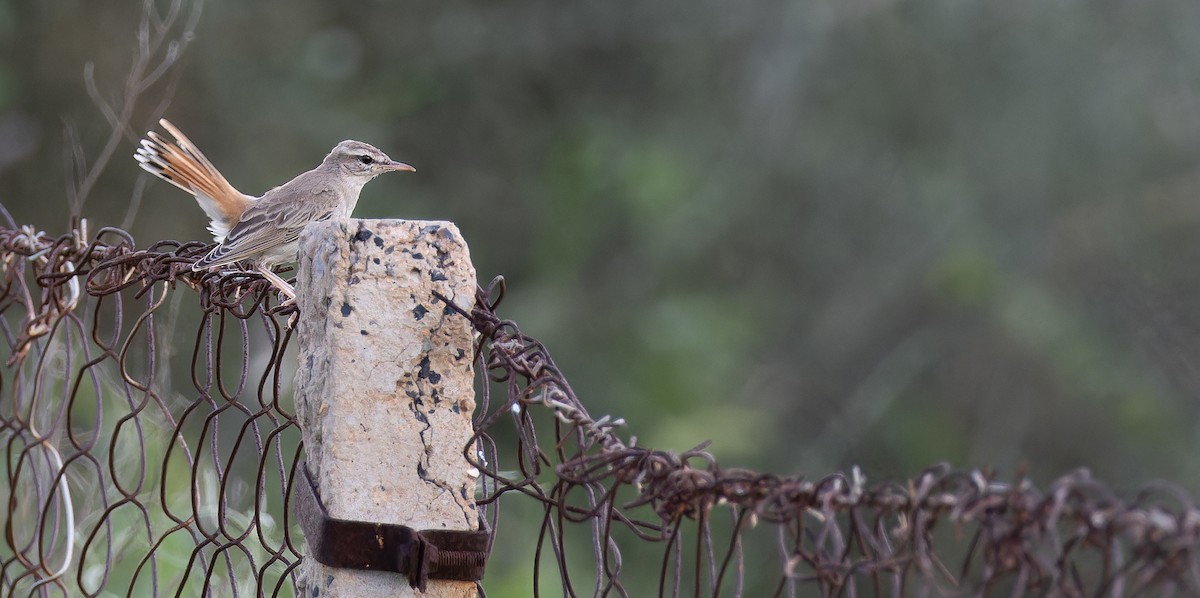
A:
(820, 234)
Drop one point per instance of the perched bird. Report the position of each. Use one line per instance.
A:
(263, 231)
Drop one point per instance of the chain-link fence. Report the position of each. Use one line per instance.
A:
(151, 450)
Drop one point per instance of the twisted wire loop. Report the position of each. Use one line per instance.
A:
(141, 460)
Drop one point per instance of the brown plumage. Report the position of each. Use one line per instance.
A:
(264, 230)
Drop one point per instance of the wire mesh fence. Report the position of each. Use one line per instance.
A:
(152, 450)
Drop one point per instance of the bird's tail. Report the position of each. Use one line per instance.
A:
(180, 163)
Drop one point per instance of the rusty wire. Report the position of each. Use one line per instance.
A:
(120, 482)
(116, 481)
(836, 535)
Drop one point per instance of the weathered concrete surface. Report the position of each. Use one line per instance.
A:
(384, 391)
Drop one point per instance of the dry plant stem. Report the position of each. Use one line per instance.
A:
(151, 62)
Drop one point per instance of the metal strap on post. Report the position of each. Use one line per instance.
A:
(418, 555)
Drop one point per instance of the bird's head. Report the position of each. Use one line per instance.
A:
(359, 159)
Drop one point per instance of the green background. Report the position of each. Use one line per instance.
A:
(821, 234)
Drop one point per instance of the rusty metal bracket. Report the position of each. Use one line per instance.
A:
(418, 555)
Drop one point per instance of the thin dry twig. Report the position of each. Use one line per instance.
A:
(159, 47)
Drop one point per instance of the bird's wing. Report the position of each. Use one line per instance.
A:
(273, 221)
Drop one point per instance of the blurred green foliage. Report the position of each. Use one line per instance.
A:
(883, 233)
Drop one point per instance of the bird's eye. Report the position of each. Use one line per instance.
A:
(366, 159)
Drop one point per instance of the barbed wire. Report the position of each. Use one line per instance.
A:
(127, 476)
(838, 535)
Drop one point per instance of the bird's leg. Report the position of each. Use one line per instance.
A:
(278, 283)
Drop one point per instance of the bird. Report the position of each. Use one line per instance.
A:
(263, 231)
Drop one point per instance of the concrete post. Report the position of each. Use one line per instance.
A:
(385, 388)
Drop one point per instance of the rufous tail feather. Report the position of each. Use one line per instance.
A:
(181, 163)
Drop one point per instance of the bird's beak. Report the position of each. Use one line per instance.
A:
(394, 165)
